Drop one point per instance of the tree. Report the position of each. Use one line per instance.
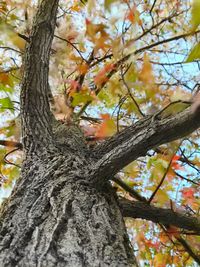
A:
(64, 211)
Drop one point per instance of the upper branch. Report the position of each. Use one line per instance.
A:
(136, 140)
(35, 111)
(158, 215)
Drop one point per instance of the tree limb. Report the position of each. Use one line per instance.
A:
(34, 95)
(10, 143)
(158, 215)
(134, 141)
(129, 189)
(189, 250)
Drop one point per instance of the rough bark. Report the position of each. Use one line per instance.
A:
(56, 216)
(136, 140)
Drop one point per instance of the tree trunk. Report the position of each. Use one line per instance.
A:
(56, 217)
(63, 211)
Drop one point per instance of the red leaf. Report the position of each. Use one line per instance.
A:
(188, 192)
(107, 127)
(102, 77)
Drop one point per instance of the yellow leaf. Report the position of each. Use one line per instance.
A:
(194, 53)
(160, 260)
(18, 41)
(132, 169)
(134, 16)
(83, 68)
(195, 20)
(146, 74)
(161, 197)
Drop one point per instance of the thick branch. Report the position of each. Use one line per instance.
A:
(136, 140)
(158, 215)
(36, 116)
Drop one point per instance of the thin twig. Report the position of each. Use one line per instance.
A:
(67, 41)
(9, 162)
(161, 182)
(10, 48)
(131, 96)
(186, 179)
(152, 6)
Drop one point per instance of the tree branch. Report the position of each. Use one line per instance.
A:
(189, 250)
(158, 215)
(129, 189)
(136, 140)
(9, 143)
(34, 95)
(127, 57)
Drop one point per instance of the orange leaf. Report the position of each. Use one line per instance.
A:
(102, 77)
(146, 74)
(93, 29)
(134, 16)
(175, 165)
(107, 127)
(83, 68)
(74, 86)
(5, 79)
(188, 192)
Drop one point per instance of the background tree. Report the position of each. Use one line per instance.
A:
(107, 133)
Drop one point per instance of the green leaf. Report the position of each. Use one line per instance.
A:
(6, 88)
(79, 98)
(6, 103)
(195, 21)
(194, 53)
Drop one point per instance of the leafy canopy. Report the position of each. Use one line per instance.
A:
(117, 61)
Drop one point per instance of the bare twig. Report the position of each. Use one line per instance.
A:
(9, 162)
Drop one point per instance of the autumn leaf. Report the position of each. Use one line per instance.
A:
(161, 197)
(194, 53)
(102, 77)
(146, 73)
(74, 87)
(188, 192)
(175, 165)
(83, 68)
(160, 260)
(93, 29)
(195, 20)
(5, 79)
(134, 16)
(107, 127)
(75, 8)
(97, 35)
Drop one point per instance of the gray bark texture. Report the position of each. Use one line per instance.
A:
(63, 210)
(56, 215)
